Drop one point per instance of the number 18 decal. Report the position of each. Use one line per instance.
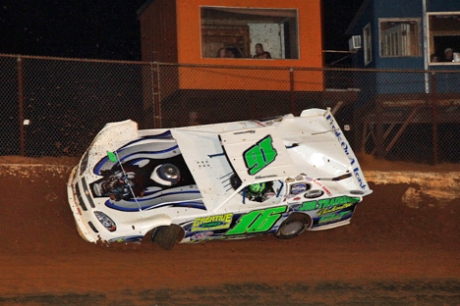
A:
(257, 221)
(260, 155)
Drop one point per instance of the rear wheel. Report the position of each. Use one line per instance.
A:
(167, 236)
(293, 226)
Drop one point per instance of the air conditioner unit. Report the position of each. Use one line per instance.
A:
(354, 42)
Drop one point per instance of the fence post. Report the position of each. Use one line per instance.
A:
(21, 107)
(292, 91)
(156, 94)
(380, 145)
(434, 117)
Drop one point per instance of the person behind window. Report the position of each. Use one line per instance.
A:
(229, 53)
(221, 53)
(448, 55)
(193, 118)
(261, 53)
(434, 58)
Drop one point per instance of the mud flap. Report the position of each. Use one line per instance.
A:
(167, 236)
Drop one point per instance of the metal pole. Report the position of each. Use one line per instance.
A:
(426, 41)
(434, 115)
(20, 108)
(291, 90)
(156, 95)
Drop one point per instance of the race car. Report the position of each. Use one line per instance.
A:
(230, 180)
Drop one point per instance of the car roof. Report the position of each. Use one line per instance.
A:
(305, 144)
(214, 153)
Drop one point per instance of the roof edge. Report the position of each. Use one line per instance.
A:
(357, 17)
(144, 7)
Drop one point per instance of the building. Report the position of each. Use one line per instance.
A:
(408, 34)
(191, 32)
(188, 35)
(412, 36)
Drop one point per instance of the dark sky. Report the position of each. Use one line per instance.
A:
(106, 29)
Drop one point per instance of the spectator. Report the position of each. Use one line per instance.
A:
(261, 53)
(434, 58)
(229, 53)
(448, 55)
(221, 53)
(193, 118)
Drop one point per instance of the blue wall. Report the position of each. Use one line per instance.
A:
(366, 17)
(443, 5)
(398, 8)
(400, 82)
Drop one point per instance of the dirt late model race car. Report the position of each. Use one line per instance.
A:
(219, 181)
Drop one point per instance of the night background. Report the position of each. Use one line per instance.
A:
(110, 29)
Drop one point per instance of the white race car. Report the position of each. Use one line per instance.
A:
(219, 181)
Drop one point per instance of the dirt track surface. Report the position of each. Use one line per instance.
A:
(391, 254)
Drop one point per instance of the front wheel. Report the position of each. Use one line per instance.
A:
(293, 226)
(167, 236)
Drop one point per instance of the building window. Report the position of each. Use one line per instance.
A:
(399, 37)
(367, 43)
(444, 37)
(249, 33)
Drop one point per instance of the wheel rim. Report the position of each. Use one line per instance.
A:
(292, 228)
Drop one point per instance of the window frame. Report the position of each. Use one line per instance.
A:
(367, 44)
(297, 38)
(400, 20)
(429, 38)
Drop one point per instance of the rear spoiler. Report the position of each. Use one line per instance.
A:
(357, 172)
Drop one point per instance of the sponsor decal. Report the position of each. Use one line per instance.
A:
(212, 223)
(201, 236)
(127, 239)
(328, 210)
(324, 203)
(244, 132)
(327, 206)
(265, 176)
(334, 217)
(322, 186)
(345, 147)
(311, 205)
(298, 188)
(311, 194)
(257, 221)
(260, 155)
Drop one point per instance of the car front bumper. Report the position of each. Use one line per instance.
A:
(83, 226)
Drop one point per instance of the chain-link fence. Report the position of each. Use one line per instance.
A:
(54, 107)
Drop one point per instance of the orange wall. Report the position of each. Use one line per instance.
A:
(189, 49)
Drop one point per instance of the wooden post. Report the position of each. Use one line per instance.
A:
(434, 117)
(292, 91)
(379, 139)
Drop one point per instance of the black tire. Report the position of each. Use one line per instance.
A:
(167, 236)
(293, 226)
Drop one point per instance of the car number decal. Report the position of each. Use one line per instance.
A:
(260, 155)
(257, 221)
